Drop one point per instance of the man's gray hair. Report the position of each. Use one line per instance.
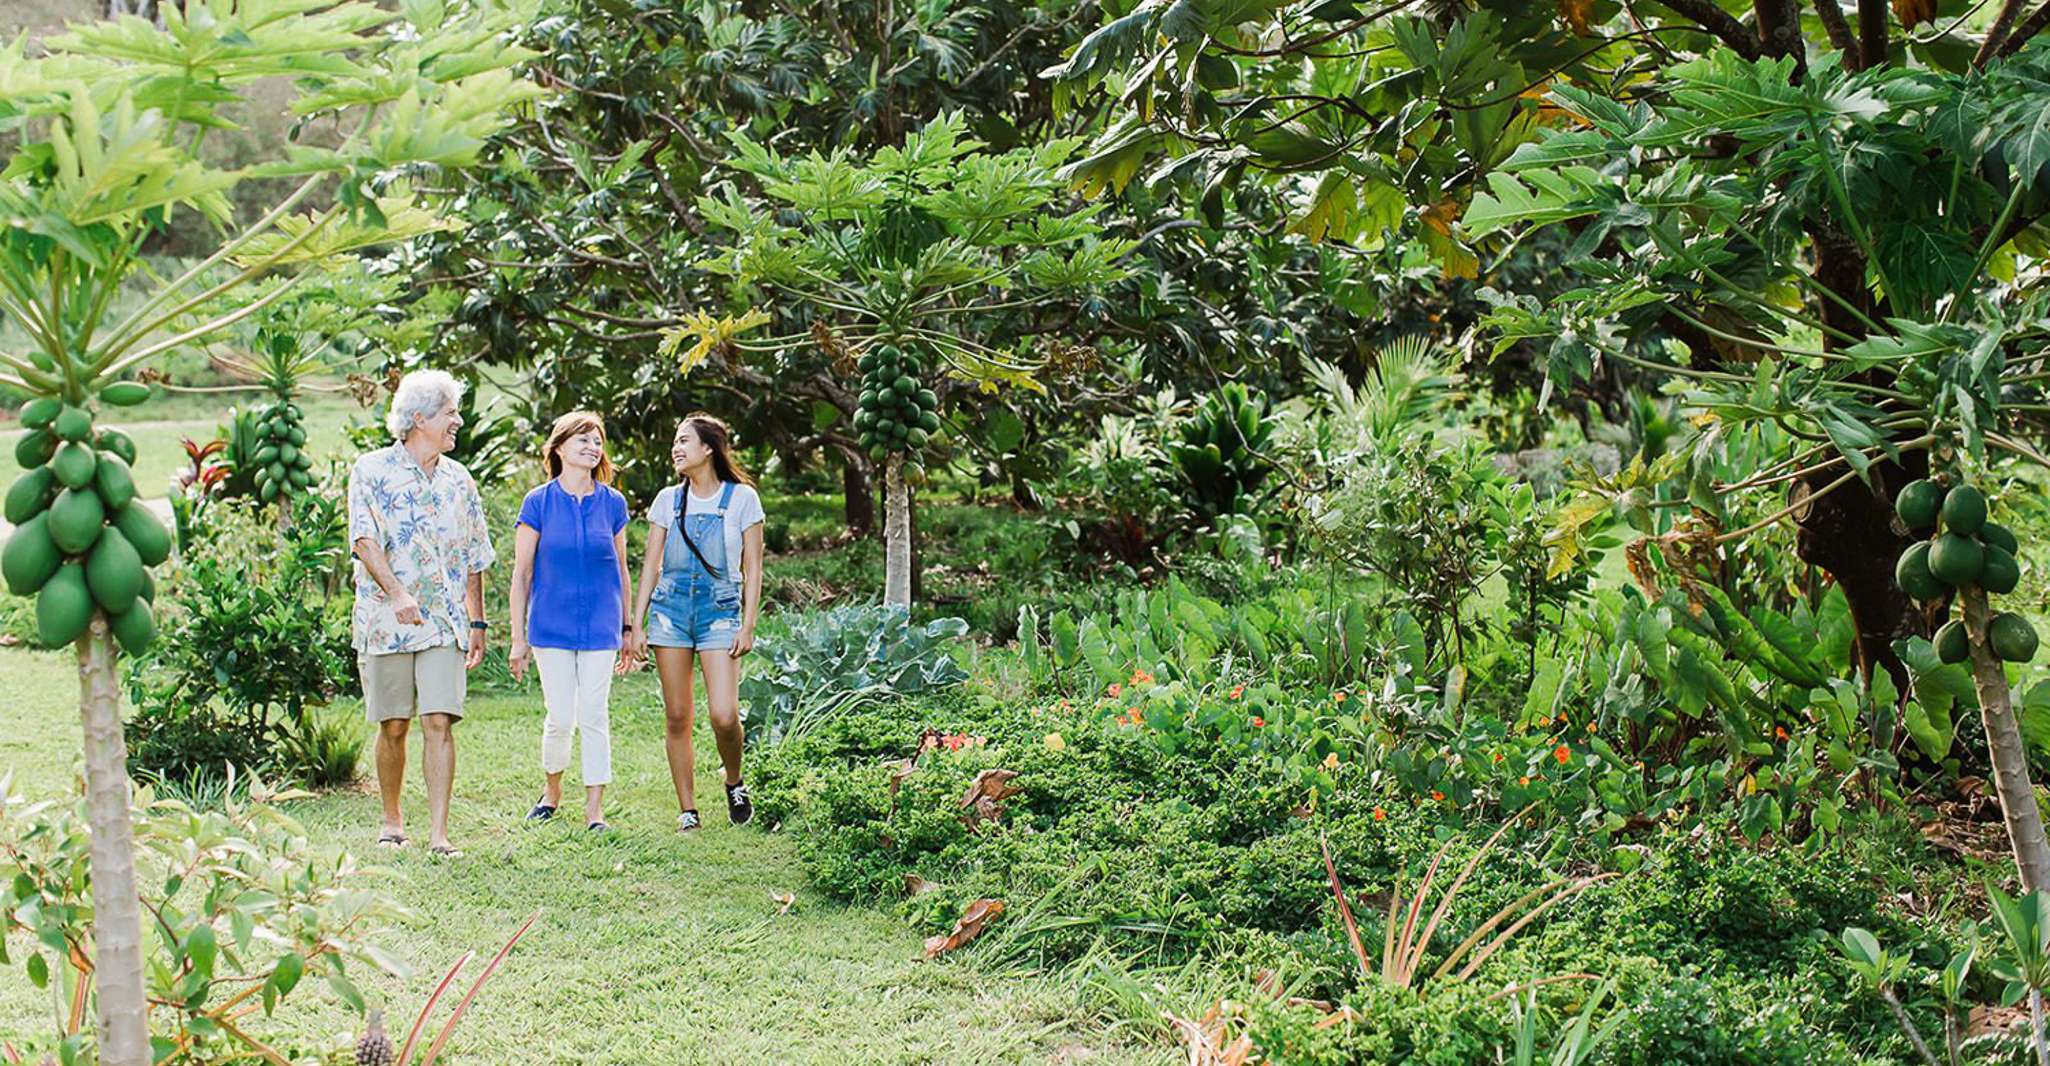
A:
(422, 394)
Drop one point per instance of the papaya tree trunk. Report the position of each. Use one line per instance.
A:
(896, 534)
(117, 909)
(2008, 752)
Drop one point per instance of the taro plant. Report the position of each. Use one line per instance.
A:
(2024, 960)
(106, 135)
(828, 662)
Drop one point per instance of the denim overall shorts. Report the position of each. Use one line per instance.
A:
(693, 606)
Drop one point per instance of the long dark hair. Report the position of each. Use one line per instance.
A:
(717, 437)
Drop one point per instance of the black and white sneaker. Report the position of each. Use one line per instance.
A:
(687, 821)
(740, 808)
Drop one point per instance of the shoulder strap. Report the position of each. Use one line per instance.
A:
(683, 530)
(725, 497)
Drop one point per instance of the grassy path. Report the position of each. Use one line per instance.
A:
(652, 948)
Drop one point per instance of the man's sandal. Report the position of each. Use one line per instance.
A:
(445, 851)
(389, 839)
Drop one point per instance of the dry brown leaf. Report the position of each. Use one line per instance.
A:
(984, 801)
(783, 901)
(915, 885)
(1913, 13)
(2005, 1020)
(1574, 14)
(970, 925)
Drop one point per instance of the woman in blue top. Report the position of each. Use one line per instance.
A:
(702, 576)
(569, 597)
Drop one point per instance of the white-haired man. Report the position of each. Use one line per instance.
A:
(421, 546)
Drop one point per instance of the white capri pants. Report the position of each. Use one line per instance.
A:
(576, 687)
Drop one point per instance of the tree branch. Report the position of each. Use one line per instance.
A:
(1779, 29)
(2030, 27)
(1996, 34)
(1831, 12)
(1720, 24)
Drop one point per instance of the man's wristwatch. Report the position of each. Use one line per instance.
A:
(478, 624)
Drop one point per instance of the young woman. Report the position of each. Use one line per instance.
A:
(569, 595)
(702, 575)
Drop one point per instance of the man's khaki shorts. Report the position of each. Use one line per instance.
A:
(404, 684)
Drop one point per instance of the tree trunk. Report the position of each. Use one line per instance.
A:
(896, 534)
(2009, 754)
(117, 909)
(917, 548)
(859, 494)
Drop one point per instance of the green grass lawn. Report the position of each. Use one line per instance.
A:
(651, 947)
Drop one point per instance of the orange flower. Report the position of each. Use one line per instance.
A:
(1523, 780)
(1331, 761)
(1437, 795)
(1590, 727)
(1141, 677)
(1562, 753)
(1498, 756)
(1338, 697)
(1237, 691)
(1380, 815)
(1116, 690)
(1259, 722)
(1780, 731)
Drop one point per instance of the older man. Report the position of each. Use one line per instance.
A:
(421, 548)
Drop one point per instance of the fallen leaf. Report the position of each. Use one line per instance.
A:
(9, 640)
(984, 801)
(783, 901)
(915, 885)
(970, 925)
(2005, 1020)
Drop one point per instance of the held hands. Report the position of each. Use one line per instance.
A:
(633, 649)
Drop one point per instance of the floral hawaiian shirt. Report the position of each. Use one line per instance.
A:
(433, 534)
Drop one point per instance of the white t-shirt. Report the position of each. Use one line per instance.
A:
(744, 510)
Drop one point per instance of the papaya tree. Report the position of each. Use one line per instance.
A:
(1804, 222)
(908, 262)
(108, 135)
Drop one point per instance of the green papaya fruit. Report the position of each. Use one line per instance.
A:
(297, 436)
(73, 424)
(288, 453)
(40, 412)
(125, 393)
(1953, 645)
(113, 482)
(2012, 637)
(917, 438)
(1956, 559)
(1912, 574)
(905, 385)
(114, 573)
(928, 399)
(115, 442)
(64, 607)
(76, 519)
(266, 454)
(1994, 533)
(135, 628)
(74, 464)
(149, 537)
(149, 586)
(30, 494)
(1964, 510)
(929, 422)
(35, 448)
(30, 557)
(267, 490)
(2000, 574)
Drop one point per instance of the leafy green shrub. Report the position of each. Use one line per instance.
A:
(817, 665)
(253, 637)
(1222, 453)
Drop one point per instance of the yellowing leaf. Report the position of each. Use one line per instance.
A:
(708, 333)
